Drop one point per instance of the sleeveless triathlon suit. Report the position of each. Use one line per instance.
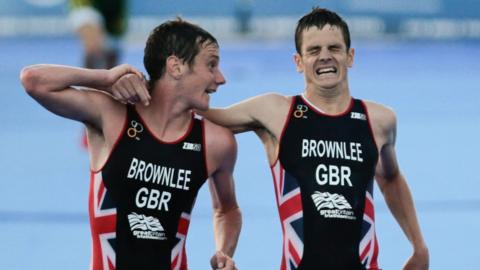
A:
(140, 201)
(324, 185)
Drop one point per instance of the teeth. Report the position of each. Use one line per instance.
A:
(325, 70)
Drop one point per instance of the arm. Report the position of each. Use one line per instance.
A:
(53, 87)
(265, 114)
(260, 112)
(398, 196)
(227, 219)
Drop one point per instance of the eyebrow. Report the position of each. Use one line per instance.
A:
(313, 48)
(335, 45)
(317, 47)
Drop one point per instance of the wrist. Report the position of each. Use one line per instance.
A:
(420, 249)
(101, 79)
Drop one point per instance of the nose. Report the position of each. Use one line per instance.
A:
(325, 55)
(220, 79)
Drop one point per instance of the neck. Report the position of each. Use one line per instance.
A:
(330, 101)
(167, 116)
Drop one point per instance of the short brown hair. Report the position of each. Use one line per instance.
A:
(177, 37)
(320, 17)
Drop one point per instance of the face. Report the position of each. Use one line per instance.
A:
(204, 77)
(324, 59)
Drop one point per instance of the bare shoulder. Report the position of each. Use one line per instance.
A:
(263, 102)
(276, 96)
(110, 112)
(273, 99)
(105, 104)
(218, 139)
(271, 109)
(220, 148)
(101, 98)
(381, 116)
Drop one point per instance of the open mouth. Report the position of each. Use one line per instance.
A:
(326, 70)
(210, 91)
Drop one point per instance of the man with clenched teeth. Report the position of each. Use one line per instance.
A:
(324, 196)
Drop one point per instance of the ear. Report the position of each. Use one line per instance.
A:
(297, 58)
(350, 57)
(174, 67)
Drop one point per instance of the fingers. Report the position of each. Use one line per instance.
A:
(143, 92)
(131, 88)
(121, 92)
(126, 69)
(229, 264)
(221, 261)
(131, 69)
(216, 260)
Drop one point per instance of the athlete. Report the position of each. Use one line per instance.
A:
(148, 160)
(325, 148)
(100, 25)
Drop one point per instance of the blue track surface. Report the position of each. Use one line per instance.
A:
(431, 86)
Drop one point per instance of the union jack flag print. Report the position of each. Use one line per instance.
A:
(179, 256)
(103, 215)
(369, 245)
(290, 209)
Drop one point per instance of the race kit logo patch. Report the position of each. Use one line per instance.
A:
(134, 130)
(192, 146)
(145, 227)
(300, 111)
(332, 205)
(357, 115)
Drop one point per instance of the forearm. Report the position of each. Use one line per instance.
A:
(400, 202)
(227, 227)
(44, 78)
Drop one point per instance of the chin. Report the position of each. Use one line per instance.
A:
(201, 107)
(327, 84)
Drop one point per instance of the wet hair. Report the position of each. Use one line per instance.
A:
(175, 37)
(320, 17)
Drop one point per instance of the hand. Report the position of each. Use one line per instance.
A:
(222, 261)
(130, 86)
(418, 261)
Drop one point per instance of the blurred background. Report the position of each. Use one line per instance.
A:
(419, 57)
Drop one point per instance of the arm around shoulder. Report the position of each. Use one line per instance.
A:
(250, 114)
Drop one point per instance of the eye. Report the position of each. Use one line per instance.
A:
(335, 48)
(313, 51)
(212, 64)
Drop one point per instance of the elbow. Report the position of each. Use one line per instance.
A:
(29, 77)
(231, 211)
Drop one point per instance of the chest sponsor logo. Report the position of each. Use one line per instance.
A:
(332, 205)
(146, 227)
(300, 111)
(357, 115)
(134, 130)
(192, 146)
